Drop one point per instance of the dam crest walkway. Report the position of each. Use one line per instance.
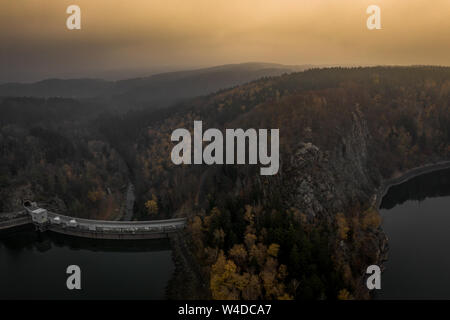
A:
(46, 220)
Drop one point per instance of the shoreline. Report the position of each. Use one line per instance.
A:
(384, 189)
(406, 176)
(187, 272)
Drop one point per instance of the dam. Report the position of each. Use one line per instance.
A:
(88, 228)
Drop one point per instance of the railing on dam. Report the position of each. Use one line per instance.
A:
(46, 220)
(14, 219)
(121, 226)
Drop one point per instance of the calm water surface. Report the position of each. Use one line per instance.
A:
(416, 219)
(33, 266)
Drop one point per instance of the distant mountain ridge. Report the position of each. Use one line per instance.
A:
(67, 88)
(160, 89)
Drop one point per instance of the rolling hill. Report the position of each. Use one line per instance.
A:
(159, 90)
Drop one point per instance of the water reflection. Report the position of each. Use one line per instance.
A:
(416, 219)
(33, 265)
(434, 184)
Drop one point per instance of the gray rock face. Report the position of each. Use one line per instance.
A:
(321, 182)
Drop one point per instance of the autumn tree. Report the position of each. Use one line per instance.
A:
(371, 219)
(239, 254)
(342, 226)
(95, 195)
(223, 282)
(344, 295)
(152, 205)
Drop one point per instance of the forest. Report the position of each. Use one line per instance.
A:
(307, 232)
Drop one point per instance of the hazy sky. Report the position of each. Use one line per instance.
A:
(127, 37)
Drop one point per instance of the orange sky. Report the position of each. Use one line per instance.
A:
(144, 35)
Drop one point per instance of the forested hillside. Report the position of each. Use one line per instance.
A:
(306, 233)
(51, 153)
(310, 231)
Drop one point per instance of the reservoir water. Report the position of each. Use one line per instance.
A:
(33, 266)
(416, 220)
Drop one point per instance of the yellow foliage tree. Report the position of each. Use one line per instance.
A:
(250, 240)
(224, 280)
(344, 295)
(238, 254)
(152, 205)
(342, 226)
(371, 219)
(273, 250)
(95, 195)
(259, 253)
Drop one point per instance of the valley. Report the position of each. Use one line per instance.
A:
(307, 232)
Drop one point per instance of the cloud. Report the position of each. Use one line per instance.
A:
(134, 33)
